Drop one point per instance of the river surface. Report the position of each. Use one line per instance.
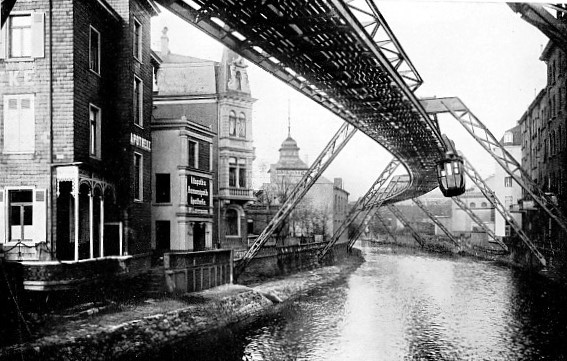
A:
(406, 306)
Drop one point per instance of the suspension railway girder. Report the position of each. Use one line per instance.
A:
(321, 49)
(364, 203)
(497, 151)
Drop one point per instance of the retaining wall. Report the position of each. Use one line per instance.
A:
(282, 260)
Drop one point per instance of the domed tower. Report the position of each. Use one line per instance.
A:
(235, 150)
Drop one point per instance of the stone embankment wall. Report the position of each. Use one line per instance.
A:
(283, 260)
(145, 336)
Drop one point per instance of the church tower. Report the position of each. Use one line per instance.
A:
(235, 150)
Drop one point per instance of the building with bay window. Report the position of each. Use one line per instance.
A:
(212, 97)
(75, 145)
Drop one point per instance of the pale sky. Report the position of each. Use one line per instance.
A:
(482, 53)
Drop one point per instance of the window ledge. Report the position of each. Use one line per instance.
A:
(17, 60)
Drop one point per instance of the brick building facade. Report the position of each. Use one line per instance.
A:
(544, 155)
(75, 145)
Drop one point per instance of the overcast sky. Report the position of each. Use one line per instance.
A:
(481, 52)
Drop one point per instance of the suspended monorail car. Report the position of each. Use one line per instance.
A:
(450, 171)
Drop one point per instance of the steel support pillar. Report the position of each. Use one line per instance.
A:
(399, 215)
(394, 187)
(538, 16)
(486, 139)
(337, 143)
(360, 205)
(489, 194)
(491, 235)
(384, 225)
(436, 221)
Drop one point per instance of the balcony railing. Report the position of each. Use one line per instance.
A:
(233, 192)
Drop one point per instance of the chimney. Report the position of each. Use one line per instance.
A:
(338, 182)
(164, 43)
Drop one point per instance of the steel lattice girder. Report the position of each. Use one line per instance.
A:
(550, 26)
(436, 221)
(359, 206)
(397, 184)
(335, 145)
(399, 215)
(486, 139)
(384, 225)
(6, 7)
(458, 201)
(280, 36)
(489, 194)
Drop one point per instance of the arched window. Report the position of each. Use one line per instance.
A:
(473, 205)
(232, 123)
(232, 222)
(238, 77)
(241, 125)
(483, 205)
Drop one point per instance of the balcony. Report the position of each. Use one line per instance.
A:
(236, 193)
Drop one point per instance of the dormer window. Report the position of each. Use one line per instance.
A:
(508, 137)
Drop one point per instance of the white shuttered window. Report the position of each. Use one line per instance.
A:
(19, 123)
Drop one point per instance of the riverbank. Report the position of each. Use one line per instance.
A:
(138, 329)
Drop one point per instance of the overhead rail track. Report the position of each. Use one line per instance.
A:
(554, 27)
(488, 141)
(361, 204)
(489, 194)
(329, 153)
(376, 26)
(489, 232)
(322, 50)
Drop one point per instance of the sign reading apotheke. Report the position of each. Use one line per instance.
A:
(198, 194)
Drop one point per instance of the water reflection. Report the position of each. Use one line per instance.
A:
(407, 307)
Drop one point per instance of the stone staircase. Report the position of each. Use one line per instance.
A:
(155, 282)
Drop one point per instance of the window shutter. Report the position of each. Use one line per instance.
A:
(11, 127)
(3, 41)
(27, 124)
(39, 215)
(38, 34)
(2, 217)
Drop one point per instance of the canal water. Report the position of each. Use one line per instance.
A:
(406, 306)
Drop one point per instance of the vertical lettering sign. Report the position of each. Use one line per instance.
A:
(198, 195)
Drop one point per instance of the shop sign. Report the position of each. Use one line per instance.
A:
(140, 142)
(198, 194)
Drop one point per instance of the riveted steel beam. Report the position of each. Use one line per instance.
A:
(438, 223)
(489, 232)
(397, 184)
(400, 216)
(550, 26)
(361, 204)
(488, 141)
(493, 199)
(329, 153)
